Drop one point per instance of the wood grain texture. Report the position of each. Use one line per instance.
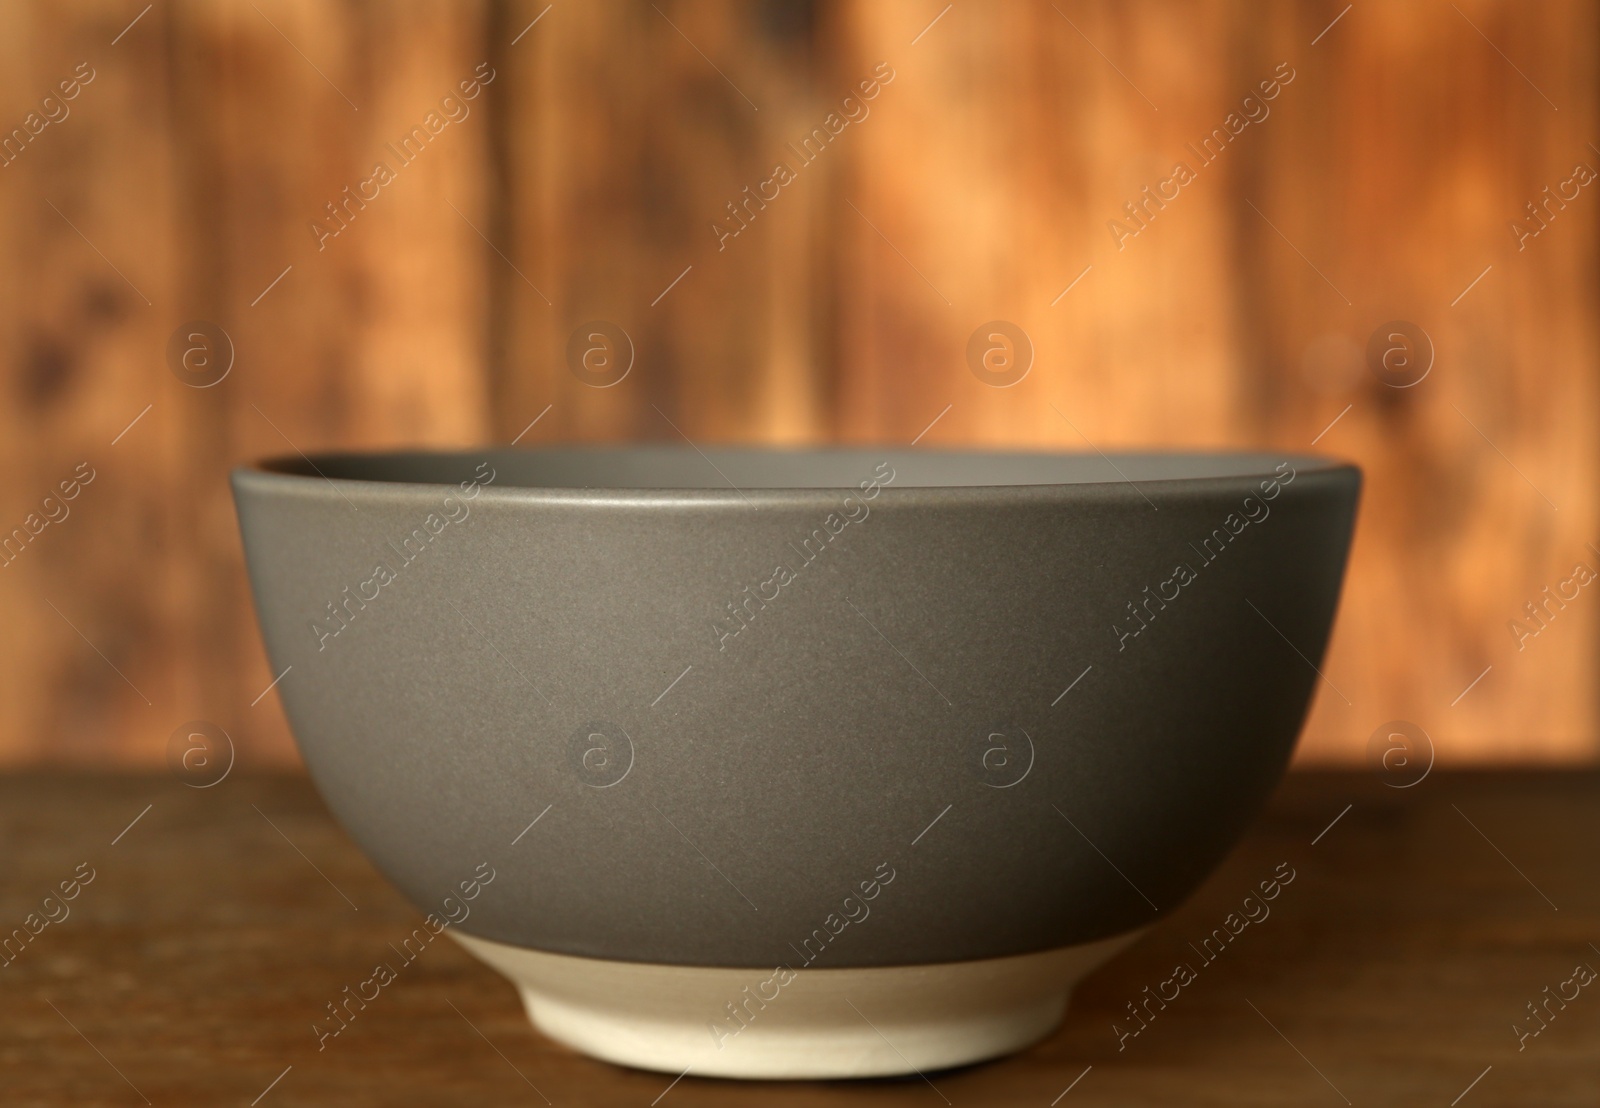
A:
(632, 129)
(1390, 970)
(94, 605)
(1402, 180)
(602, 175)
(210, 143)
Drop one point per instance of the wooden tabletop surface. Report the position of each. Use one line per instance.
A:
(1396, 968)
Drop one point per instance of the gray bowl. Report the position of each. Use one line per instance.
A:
(791, 715)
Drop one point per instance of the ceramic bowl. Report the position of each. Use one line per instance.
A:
(814, 763)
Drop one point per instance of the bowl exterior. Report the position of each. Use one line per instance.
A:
(872, 727)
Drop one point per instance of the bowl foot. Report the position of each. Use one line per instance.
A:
(868, 1021)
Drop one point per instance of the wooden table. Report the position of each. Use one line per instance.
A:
(1420, 924)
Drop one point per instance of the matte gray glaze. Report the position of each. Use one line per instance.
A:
(561, 641)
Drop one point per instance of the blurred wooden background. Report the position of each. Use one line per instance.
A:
(586, 178)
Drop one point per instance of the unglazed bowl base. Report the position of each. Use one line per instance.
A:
(825, 1023)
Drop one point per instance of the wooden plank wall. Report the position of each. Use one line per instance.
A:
(588, 180)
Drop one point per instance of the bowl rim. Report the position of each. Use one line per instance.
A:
(321, 472)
